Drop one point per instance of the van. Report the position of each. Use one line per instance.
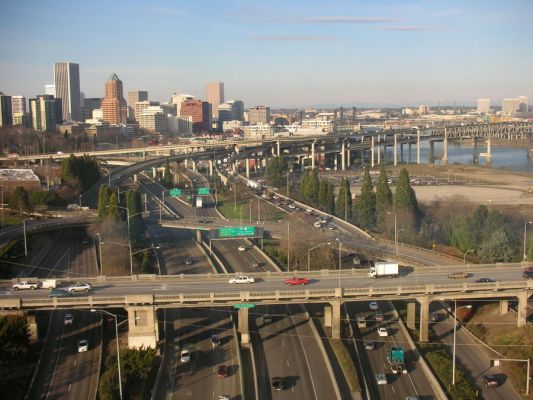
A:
(49, 284)
(361, 322)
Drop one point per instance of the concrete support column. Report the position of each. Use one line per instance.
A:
(424, 318)
(335, 161)
(135, 178)
(445, 147)
(409, 155)
(210, 167)
(522, 308)
(194, 165)
(379, 153)
(336, 319)
(273, 150)
(198, 235)
(343, 156)
(504, 307)
(418, 146)
(348, 154)
(278, 145)
(234, 167)
(33, 328)
(142, 327)
(395, 150)
(372, 150)
(243, 326)
(247, 168)
(154, 172)
(313, 155)
(401, 153)
(411, 315)
(431, 156)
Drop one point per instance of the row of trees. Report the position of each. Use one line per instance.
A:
(84, 169)
(22, 201)
(317, 192)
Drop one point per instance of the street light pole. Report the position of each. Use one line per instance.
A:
(25, 239)
(340, 259)
(100, 253)
(455, 334)
(288, 246)
(464, 255)
(309, 254)
(525, 237)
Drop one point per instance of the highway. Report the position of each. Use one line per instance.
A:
(64, 372)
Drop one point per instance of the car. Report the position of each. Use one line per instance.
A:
(254, 265)
(185, 356)
(223, 397)
(267, 319)
(80, 287)
(277, 383)
(528, 273)
(59, 293)
(24, 285)
(458, 275)
(241, 248)
(490, 380)
(331, 228)
(296, 281)
(361, 322)
(308, 210)
(215, 341)
(188, 261)
(381, 378)
(69, 319)
(485, 280)
(435, 317)
(370, 345)
(85, 240)
(383, 332)
(242, 279)
(83, 345)
(222, 371)
(373, 305)
(292, 206)
(379, 317)
(412, 398)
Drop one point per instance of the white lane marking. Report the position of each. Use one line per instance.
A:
(75, 362)
(69, 386)
(57, 362)
(283, 342)
(393, 391)
(288, 366)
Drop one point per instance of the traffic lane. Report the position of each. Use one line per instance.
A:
(475, 357)
(286, 356)
(176, 246)
(198, 378)
(242, 261)
(76, 373)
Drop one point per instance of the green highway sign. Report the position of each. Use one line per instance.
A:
(204, 191)
(176, 192)
(236, 231)
(243, 305)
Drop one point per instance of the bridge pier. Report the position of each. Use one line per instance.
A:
(504, 307)
(431, 156)
(247, 161)
(409, 154)
(273, 150)
(411, 315)
(395, 149)
(379, 152)
(142, 327)
(343, 156)
(234, 167)
(332, 318)
(33, 327)
(313, 155)
(335, 161)
(417, 146)
(198, 235)
(278, 148)
(194, 165)
(372, 150)
(401, 153)
(210, 167)
(445, 147)
(523, 297)
(348, 154)
(243, 326)
(154, 173)
(424, 318)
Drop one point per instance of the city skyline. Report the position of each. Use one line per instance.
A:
(384, 53)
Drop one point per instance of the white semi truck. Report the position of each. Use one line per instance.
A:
(383, 269)
(199, 202)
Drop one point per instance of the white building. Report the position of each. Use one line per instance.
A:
(321, 125)
(50, 89)
(483, 106)
(510, 106)
(231, 125)
(258, 131)
(180, 125)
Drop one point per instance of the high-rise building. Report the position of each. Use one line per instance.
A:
(140, 106)
(200, 111)
(135, 97)
(6, 113)
(483, 106)
(114, 106)
(45, 112)
(67, 88)
(153, 119)
(231, 110)
(178, 98)
(214, 94)
(90, 104)
(259, 115)
(522, 104)
(510, 106)
(50, 89)
(18, 104)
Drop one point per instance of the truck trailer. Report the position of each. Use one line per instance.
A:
(396, 358)
(383, 269)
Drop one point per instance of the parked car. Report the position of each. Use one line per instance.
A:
(267, 319)
(382, 331)
(85, 240)
(185, 356)
(490, 380)
(381, 378)
(69, 319)
(223, 397)
(80, 287)
(59, 293)
(296, 281)
(458, 275)
(254, 265)
(242, 279)
(361, 322)
(83, 345)
(222, 371)
(373, 305)
(215, 341)
(277, 383)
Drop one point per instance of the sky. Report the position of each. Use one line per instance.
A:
(278, 53)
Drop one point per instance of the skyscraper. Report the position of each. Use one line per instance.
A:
(67, 88)
(200, 112)
(114, 106)
(50, 89)
(6, 115)
(45, 113)
(483, 106)
(135, 97)
(18, 104)
(259, 115)
(214, 94)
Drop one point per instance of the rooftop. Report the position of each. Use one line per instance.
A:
(18, 175)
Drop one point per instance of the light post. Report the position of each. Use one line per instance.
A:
(240, 212)
(464, 255)
(100, 252)
(396, 236)
(288, 246)
(525, 236)
(250, 214)
(161, 208)
(455, 334)
(309, 253)
(25, 239)
(340, 259)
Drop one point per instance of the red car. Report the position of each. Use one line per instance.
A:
(296, 281)
(222, 371)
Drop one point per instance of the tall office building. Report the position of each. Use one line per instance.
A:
(522, 104)
(259, 115)
(135, 97)
(114, 106)
(200, 112)
(89, 105)
(214, 94)
(483, 106)
(45, 112)
(510, 106)
(18, 104)
(50, 89)
(178, 98)
(67, 88)
(6, 114)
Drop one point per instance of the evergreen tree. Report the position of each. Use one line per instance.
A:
(20, 200)
(134, 207)
(103, 201)
(167, 177)
(383, 195)
(343, 202)
(405, 197)
(113, 210)
(330, 198)
(313, 187)
(303, 185)
(274, 171)
(323, 194)
(366, 203)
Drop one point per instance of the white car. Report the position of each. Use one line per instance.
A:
(292, 206)
(242, 279)
(381, 378)
(241, 248)
(68, 319)
(83, 345)
(185, 356)
(80, 287)
(382, 331)
(373, 305)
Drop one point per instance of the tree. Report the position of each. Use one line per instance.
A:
(137, 227)
(330, 198)
(274, 171)
(313, 187)
(103, 201)
(19, 200)
(167, 177)
(323, 194)
(113, 211)
(343, 202)
(303, 185)
(500, 246)
(146, 263)
(14, 335)
(405, 197)
(365, 205)
(383, 195)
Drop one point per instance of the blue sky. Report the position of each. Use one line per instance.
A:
(278, 53)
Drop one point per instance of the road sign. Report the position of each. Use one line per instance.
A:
(243, 305)
(236, 231)
(203, 191)
(176, 192)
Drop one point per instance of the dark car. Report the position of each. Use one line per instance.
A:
(485, 280)
(215, 341)
(528, 273)
(490, 380)
(59, 293)
(222, 371)
(277, 383)
(188, 261)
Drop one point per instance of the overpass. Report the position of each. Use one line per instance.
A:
(142, 295)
